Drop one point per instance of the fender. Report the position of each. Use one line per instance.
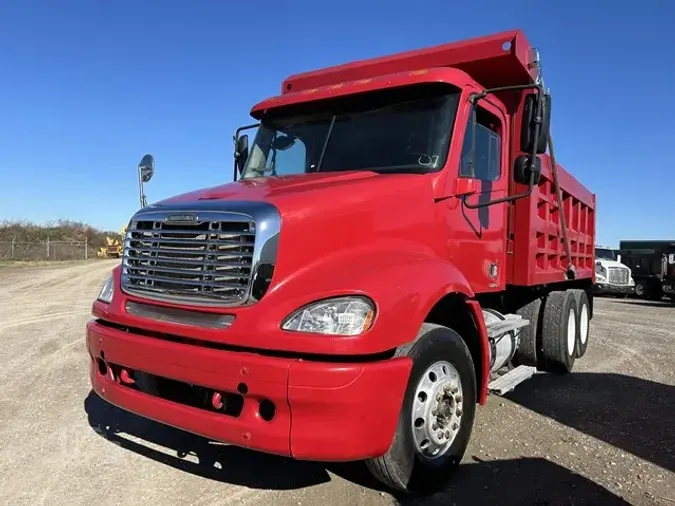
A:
(484, 380)
(404, 284)
(403, 279)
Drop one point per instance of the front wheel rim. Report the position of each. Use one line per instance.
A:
(437, 410)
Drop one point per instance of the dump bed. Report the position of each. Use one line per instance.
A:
(536, 252)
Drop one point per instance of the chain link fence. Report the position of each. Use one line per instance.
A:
(45, 250)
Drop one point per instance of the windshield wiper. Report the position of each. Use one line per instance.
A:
(325, 144)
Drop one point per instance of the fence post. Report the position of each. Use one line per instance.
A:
(47, 248)
(12, 253)
(86, 252)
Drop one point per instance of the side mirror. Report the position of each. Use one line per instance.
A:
(146, 169)
(524, 168)
(465, 186)
(241, 152)
(528, 125)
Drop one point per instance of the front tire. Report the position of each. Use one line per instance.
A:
(436, 417)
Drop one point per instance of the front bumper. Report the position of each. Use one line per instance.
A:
(600, 288)
(323, 411)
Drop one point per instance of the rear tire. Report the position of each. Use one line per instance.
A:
(559, 332)
(440, 398)
(583, 321)
(526, 354)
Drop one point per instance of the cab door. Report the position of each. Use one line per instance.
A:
(477, 244)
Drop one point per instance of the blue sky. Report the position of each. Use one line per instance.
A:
(89, 87)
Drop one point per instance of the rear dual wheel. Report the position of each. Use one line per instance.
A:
(584, 322)
(565, 330)
(437, 415)
(559, 333)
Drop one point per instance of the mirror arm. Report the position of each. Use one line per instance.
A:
(241, 129)
(510, 198)
(140, 187)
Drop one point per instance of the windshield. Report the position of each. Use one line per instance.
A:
(604, 253)
(394, 130)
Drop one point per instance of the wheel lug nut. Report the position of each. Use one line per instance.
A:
(458, 412)
(446, 388)
(434, 426)
(455, 426)
(439, 397)
(454, 390)
(434, 412)
(440, 434)
(458, 398)
(447, 434)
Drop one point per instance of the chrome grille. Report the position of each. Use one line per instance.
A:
(618, 276)
(189, 259)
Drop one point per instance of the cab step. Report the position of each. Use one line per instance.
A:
(511, 379)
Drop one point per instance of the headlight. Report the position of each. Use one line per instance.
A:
(105, 294)
(340, 316)
(599, 269)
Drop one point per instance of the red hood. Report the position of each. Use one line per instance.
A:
(323, 214)
(271, 188)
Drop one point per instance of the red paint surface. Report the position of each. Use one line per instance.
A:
(324, 411)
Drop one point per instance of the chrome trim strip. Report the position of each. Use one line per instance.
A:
(179, 316)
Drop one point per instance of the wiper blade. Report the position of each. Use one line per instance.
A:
(325, 144)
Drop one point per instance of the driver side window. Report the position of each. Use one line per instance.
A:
(488, 148)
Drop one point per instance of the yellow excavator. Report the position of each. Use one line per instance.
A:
(113, 247)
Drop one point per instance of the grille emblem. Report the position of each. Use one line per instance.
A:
(185, 217)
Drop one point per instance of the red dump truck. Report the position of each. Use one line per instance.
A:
(398, 243)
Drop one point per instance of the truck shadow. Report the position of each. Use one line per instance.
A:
(532, 481)
(632, 414)
(197, 455)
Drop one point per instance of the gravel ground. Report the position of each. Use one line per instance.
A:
(603, 435)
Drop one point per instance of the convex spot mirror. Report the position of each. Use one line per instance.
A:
(524, 168)
(528, 126)
(282, 143)
(146, 168)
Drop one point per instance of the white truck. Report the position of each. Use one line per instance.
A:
(611, 276)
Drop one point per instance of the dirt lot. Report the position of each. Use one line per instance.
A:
(604, 435)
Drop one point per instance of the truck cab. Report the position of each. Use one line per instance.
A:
(611, 276)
